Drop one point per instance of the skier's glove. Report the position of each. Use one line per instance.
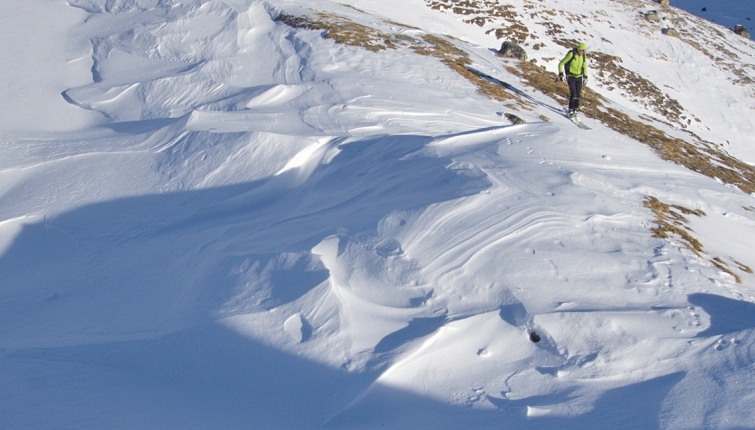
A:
(584, 80)
(561, 77)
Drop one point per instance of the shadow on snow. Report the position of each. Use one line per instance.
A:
(133, 287)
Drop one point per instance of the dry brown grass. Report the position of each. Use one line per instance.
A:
(638, 89)
(459, 61)
(514, 119)
(743, 267)
(398, 24)
(671, 222)
(552, 29)
(354, 8)
(343, 30)
(483, 12)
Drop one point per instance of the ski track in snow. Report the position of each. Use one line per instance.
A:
(268, 229)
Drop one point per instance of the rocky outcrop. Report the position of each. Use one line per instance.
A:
(652, 16)
(742, 31)
(671, 32)
(512, 50)
(514, 119)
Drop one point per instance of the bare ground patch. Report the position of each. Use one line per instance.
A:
(342, 30)
(484, 12)
(638, 89)
(672, 222)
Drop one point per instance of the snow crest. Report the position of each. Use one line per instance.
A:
(260, 227)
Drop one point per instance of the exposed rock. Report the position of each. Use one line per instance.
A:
(512, 50)
(664, 2)
(514, 119)
(652, 16)
(742, 31)
(671, 32)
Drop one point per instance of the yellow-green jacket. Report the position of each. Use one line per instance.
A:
(576, 64)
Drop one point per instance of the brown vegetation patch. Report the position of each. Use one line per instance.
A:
(459, 61)
(743, 267)
(552, 29)
(566, 43)
(722, 266)
(343, 30)
(514, 119)
(569, 40)
(438, 47)
(671, 222)
(483, 12)
(398, 24)
(638, 89)
(355, 8)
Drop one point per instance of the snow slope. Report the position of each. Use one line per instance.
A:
(44, 63)
(211, 219)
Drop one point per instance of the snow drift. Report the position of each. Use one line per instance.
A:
(213, 219)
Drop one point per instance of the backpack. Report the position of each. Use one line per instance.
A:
(567, 66)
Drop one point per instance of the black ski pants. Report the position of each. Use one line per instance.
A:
(575, 91)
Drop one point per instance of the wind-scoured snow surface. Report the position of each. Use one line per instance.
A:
(212, 220)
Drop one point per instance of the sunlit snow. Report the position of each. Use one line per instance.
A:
(212, 220)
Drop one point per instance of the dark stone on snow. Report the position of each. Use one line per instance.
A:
(670, 32)
(514, 119)
(512, 50)
(652, 16)
(742, 31)
(535, 337)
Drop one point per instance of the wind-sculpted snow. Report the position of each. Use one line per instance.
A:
(268, 229)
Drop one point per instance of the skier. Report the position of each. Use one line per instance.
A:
(575, 66)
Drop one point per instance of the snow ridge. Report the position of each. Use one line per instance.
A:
(262, 227)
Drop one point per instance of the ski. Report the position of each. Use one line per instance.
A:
(578, 122)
